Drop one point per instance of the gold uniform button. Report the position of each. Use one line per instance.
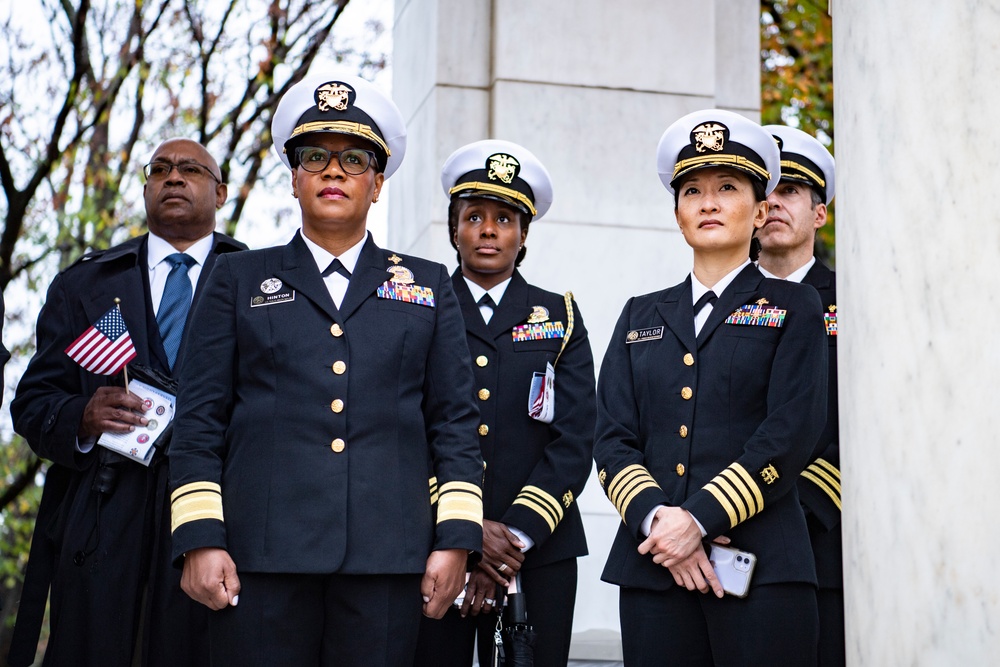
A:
(337, 405)
(338, 445)
(689, 359)
(684, 431)
(686, 393)
(484, 394)
(481, 361)
(680, 469)
(339, 367)
(483, 429)
(336, 330)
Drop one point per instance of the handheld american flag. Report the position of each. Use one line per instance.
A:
(106, 346)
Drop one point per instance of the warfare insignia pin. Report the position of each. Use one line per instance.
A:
(769, 474)
(567, 499)
(538, 315)
(401, 275)
(270, 286)
(762, 302)
(709, 136)
(334, 96)
(394, 259)
(502, 167)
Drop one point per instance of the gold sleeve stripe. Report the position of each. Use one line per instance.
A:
(751, 484)
(195, 486)
(822, 473)
(726, 505)
(533, 505)
(460, 501)
(544, 498)
(740, 495)
(834, 496)
(636, 484)
(648, 484)
(619, 485)
(832, 469)
(195, 506)
(434, 490)
(737, 492)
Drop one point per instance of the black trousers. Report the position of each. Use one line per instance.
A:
(775, 625)
(331, 620)
(550, 595)
(832, 651)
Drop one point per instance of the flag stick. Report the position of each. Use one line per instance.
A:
(118, 303)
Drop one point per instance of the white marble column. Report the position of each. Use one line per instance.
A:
(588, 86)
(918, 242)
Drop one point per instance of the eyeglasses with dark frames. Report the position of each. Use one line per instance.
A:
(354, 161)
(159, 170)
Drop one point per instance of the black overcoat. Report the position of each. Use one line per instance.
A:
(96, 605)
(720, 425)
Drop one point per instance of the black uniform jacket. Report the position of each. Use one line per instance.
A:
(534, 471)
(819, 485)
(305, 432)
(95, 605)
(720, 425)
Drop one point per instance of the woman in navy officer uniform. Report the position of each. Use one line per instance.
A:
(325, 378)
(537, 448)
(711, 396)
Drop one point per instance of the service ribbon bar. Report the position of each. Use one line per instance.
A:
(539, 331)
(423, 296)
(757, 316)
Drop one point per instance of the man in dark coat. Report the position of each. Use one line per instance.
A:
(797, 208)
(102, 541)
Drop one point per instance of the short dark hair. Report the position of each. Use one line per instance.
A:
(759, 188)
(523, 220)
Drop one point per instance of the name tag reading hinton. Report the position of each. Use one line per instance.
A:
(755, 315)
(423, 296)
(271, 299)
(642, 335)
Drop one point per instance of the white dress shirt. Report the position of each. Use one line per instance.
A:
(336, 284)
(157, 251)
(795, 276)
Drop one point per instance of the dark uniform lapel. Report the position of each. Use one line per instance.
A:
(369, 272)
(128, 286)
(475, 325)
(513, 308)
(819, 276)
(732, 298)
(299, 271)
(677, 312)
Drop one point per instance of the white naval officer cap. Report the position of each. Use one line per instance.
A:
(805, 159)
(341, 103)
(717, 138)
(501, 170)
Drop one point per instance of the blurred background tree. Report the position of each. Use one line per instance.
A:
(796, 45)
(88, 88)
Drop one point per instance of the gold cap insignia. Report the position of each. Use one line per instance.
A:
(401, 274)
(394, 259)
(503, 167)
(602, 476)
(567, 499)
(334, 96)
(762, 302)
(769, 474)
(709, 136)
(538, 314)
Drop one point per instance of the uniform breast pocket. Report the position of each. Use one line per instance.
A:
(415, 311)
(754, 332)
(552, 345)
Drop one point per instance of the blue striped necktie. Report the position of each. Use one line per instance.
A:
(175, 304)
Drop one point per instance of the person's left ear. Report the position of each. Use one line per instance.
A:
(760, 216)
(821, 214)
(221, 194)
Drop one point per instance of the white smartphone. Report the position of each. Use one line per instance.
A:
(734, 568)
